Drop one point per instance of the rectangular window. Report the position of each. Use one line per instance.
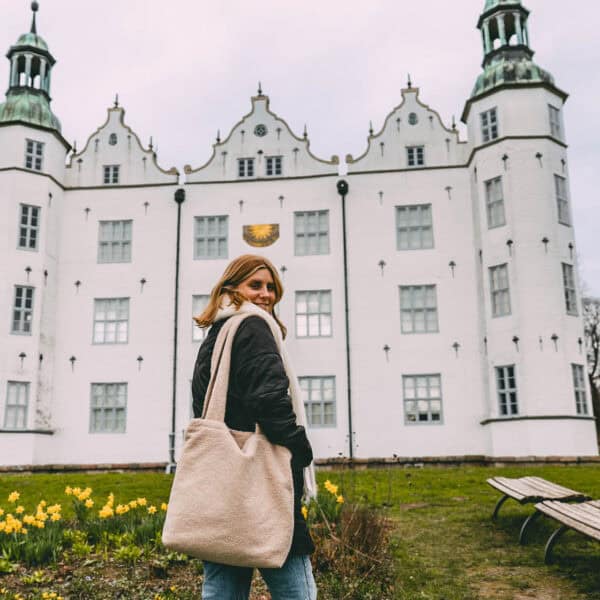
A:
(311, 232)
(199, 303)
(114, 241)
(111, 320)
(108, 409)
(245, 167)
(210, 237)
(507, 391)
(579, 387)
(415, 156)
(422, 398)
(29, 224)
(274, 166)
(111, 174)
(313, 313)
(562, 200)
(500, 290)
(418, 309)
(555, 128)
(22, 310)
(34, 155)
(570, 290)
(494, 202)
(414, 227)
(17, 401)
(489, 125)
(318, 395)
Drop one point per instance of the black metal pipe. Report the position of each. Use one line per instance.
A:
(342, 188)
(179, 199)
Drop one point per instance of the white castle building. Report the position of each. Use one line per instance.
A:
(431, 293)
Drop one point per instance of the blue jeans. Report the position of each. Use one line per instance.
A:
(293, 581)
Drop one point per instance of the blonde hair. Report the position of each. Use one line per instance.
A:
(237, 271)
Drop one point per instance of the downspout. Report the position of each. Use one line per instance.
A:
(179, 199)
(342, 188)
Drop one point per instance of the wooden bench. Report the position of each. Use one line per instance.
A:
(529, 490)
(584, 518)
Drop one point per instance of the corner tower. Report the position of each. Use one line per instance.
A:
(538, 400)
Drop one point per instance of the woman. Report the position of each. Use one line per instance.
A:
(258, 393)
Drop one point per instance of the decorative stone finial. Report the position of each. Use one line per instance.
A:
(409, 82)
(218, 136)
(116, 100)
(370, 127)
(305, 133)
(150, 145)
(34, 7)
(260, 89)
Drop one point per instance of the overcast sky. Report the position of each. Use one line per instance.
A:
(185, 68)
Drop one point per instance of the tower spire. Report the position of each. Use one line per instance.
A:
(34, 7)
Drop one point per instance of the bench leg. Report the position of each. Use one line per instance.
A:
(528, 521)
(498, 505)
(551, 541)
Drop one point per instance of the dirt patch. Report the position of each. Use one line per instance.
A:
(413, 505)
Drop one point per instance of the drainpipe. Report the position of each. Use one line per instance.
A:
(179, 199)
(342, 189)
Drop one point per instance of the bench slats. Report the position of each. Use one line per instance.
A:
(533, 489)
(584, 517)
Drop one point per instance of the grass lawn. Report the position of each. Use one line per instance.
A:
(446, 545)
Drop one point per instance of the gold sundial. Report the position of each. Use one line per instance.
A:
(261, 235)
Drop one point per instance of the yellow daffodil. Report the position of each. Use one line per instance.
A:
(105, 512)
(68, 490)
(29, 519)
(2, 526)
(89, 503)
(24, 530)
(55, 508)
(1, 512)
(20, 510)
(42, 503)
(13, 497)
(142, 501)
(164, 506)
(122, 509)
(304, 512)
(55, 517)
(133, 504)
(340, 499)
(331, 488)
(151, 510)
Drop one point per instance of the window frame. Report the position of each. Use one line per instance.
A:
(490, 124)
(117, 320)
(29, 212)
(125, 244)
(562, 200)
(410, 229)
(492, 201)
(303, 234)
(415, 156)
(414, 310)
(570, 289)
(579, 388)
(503, 394)
(554, 115)
(429, 399)
(21, 410)
(206, 237)
(34, 159)
(323, 316)
(274, 166)
(322, 403)
(246, 168)
(495, 292)
(104, 407)
(25, 312)
(111, 174)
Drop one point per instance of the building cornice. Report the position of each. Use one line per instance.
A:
(54, 132)
(537, 418)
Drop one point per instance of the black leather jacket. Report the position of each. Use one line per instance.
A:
(258, 393)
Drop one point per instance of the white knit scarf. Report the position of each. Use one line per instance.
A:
(228, 309)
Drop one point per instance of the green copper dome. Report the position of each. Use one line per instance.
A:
(32, 39)
(29, 107)
(508, 70)
(489, 4)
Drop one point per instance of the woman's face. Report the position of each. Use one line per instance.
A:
(259, 289)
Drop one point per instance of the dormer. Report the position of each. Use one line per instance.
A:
(261, 147)
(114, 157)
(413, 136)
